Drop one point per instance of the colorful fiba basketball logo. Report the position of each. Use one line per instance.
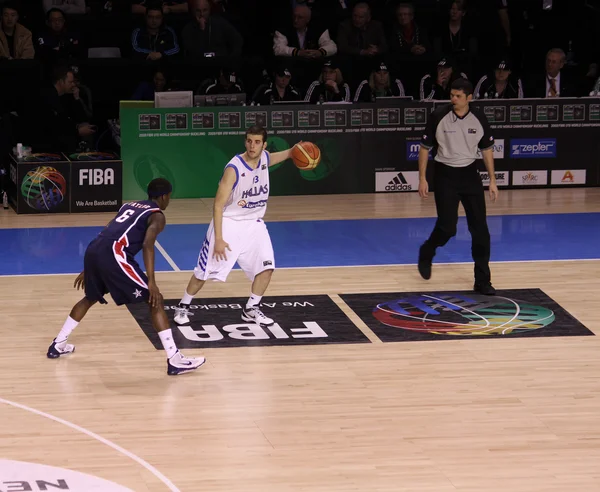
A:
(462, 314)
(44, 188)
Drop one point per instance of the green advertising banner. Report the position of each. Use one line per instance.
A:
(191, 146)
(365, 148)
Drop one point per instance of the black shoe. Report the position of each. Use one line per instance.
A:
(424, 266)
(484, 288)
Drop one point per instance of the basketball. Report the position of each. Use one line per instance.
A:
(306, 156)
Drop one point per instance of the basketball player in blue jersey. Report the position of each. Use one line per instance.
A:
(109, 266)
(237, 232)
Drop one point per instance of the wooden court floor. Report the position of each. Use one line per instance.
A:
(458, 415)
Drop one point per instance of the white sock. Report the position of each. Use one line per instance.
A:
(186, 299)
(166, 337)
(253, 301)
(66, 330)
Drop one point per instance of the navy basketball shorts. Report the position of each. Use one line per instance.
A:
(107, 270)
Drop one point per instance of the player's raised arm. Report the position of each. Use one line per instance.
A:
(156, 224)
(277, 157)
(226, 185)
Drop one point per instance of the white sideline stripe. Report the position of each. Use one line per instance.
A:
(101, 439)
(570, 260)
(163, 252)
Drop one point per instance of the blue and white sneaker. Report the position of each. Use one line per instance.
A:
(179, 364)
(57, 349)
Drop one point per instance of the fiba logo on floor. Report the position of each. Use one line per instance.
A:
(397, 181)
(459, 314)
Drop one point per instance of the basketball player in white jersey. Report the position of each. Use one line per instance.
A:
(237, 231)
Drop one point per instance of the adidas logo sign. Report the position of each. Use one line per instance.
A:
(398, 183)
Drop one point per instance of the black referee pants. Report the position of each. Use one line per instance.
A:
(454, 185)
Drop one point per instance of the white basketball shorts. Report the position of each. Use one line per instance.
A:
(250, 246)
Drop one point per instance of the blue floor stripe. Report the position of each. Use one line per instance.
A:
(325, 243)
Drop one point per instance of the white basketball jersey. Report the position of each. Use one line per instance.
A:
(250, 193)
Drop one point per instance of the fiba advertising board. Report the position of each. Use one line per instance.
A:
(57, 183)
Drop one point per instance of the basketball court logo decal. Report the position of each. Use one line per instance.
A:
(463, 314)
(19, 475)
(299, 320)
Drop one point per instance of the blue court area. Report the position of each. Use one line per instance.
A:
(324, 243)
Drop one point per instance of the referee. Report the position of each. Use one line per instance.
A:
(456, 133)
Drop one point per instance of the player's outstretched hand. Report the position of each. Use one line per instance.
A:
(79, 282)
(423, 188)
(154, 298)
(220, 247)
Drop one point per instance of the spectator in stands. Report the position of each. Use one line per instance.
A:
(379, 84)
(552, 83)
(208, 36)
(54, 129)
(168, 7)
(227, 83)
(146, 89)
(58, 42)
(408, 38)
(304, 39)
(456, 37)
(360, 35)
(279, 89)
(78, 102)
(330, 87)
(15, 39)
(156, 40)
(501, 85)
(437, 85)
(67, 6)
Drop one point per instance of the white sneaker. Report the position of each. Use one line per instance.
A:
(255, 315)
(57, 349)
(179, 363)
(182, 314)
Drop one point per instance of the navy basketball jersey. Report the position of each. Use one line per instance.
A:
(129, 227)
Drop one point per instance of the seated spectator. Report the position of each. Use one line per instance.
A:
(154, 41)
(330, 87)
(226, 83)
(408, 38)
(78, 102)
(553, 82)
(52, 127)
(58, 42)
(208, 36)
(67, 6)
(456, 37)
(304, 39)
(360, 35)
(379, 84)
(279, 89)
(436, 86)
(168, 7)
(15, 39)
(146, 89)
(501, 85)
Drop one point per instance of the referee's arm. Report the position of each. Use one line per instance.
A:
(427, 143)
(486, 145)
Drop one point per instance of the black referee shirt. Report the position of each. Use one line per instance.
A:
(457, 139)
